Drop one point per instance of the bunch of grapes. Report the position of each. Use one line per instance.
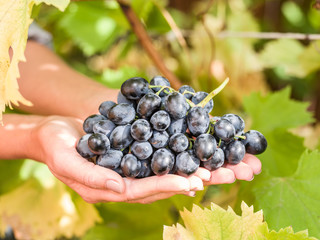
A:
(156, 130)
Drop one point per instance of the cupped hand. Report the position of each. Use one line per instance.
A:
(57, 138)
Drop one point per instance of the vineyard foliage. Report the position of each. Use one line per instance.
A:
(274, 86)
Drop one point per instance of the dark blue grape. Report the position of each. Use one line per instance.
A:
(160, 81)
(142, 150)
(121, 114)
(105, 107)
(176, 105)
(90, 121)
(119, 171)
(141, 130)
(178, 142)
(199, 96)
(130, 166)
(104, 126)
(224, 130)
(186, 88)
(236, 121)
(186, 164)
(162, 161)
(98, 143)
(159, 139)
(198, 121)
(111, 159)
(160, 120)
(234, 152)
(120, 137)
(123, 99)
(255, 142)
(205, 147)
(145, 170)
(177, 126)
(83, 148)
(216, 161)
(134, 88)
(148, 104)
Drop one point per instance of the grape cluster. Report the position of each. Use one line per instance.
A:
(154, 130)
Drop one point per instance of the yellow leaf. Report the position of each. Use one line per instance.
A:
(14, 23)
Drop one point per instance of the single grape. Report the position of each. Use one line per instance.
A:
(90, 121)
(176, 105)
(159, 81)
(186, 164)
(141, 130)
(105, 107)
(234, 152)
(119, 171)
(134, 88)
(160, 120)
(224, 130)
(130, 165)
(198, 121)
(216, 161)
(122, 114)
(111, 159)
(186, 88)
(142, 150)
(123, 99)
(98, 143)
(120, 137)
(236, 121)
(178, 142)
(104, 127)
(162, 161)
(205, 146)
(255, 142)
(199, 96)
(177, 126)
(159, 139)
(83, 148)
(146, 170)
(148, 104)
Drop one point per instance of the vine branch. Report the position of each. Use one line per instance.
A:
(146, 43)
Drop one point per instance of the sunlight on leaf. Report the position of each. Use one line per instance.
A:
(14, 24)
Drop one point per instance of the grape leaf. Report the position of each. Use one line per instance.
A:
(276, 111)
(35, 212)
(14, 24)
(292, 200)
(218, 223)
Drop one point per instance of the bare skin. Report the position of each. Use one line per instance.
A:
(62, 99)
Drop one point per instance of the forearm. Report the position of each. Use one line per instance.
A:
(17, 136)
(54, 88)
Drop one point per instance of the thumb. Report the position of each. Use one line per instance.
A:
(93, 176)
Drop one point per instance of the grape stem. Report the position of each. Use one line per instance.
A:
(186, 91)
(238, 136)
(213, 93)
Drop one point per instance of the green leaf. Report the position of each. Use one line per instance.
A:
(283, 53)
(93, 26)
(9, 176)
(217, 223)
(293, 13)
(293, 200)
(60, 4)
(310, 58)
(276, 111)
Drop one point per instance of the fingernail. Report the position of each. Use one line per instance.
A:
(114, 186)
(251, 179)
(191, 194)
(198, 187)
(259, 172)
(207, 176)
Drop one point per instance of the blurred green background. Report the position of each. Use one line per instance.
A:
(274, 85)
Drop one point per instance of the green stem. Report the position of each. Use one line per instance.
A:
(213, 93)
(190, 103)
(186, 91)
(239, 136)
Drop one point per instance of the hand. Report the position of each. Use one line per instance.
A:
(57, 137)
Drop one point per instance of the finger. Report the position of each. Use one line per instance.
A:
(253, 162)
(221, 176)
(203, 174)
(91, 175)
(141, 188)
(196, 183)
(242, 171)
